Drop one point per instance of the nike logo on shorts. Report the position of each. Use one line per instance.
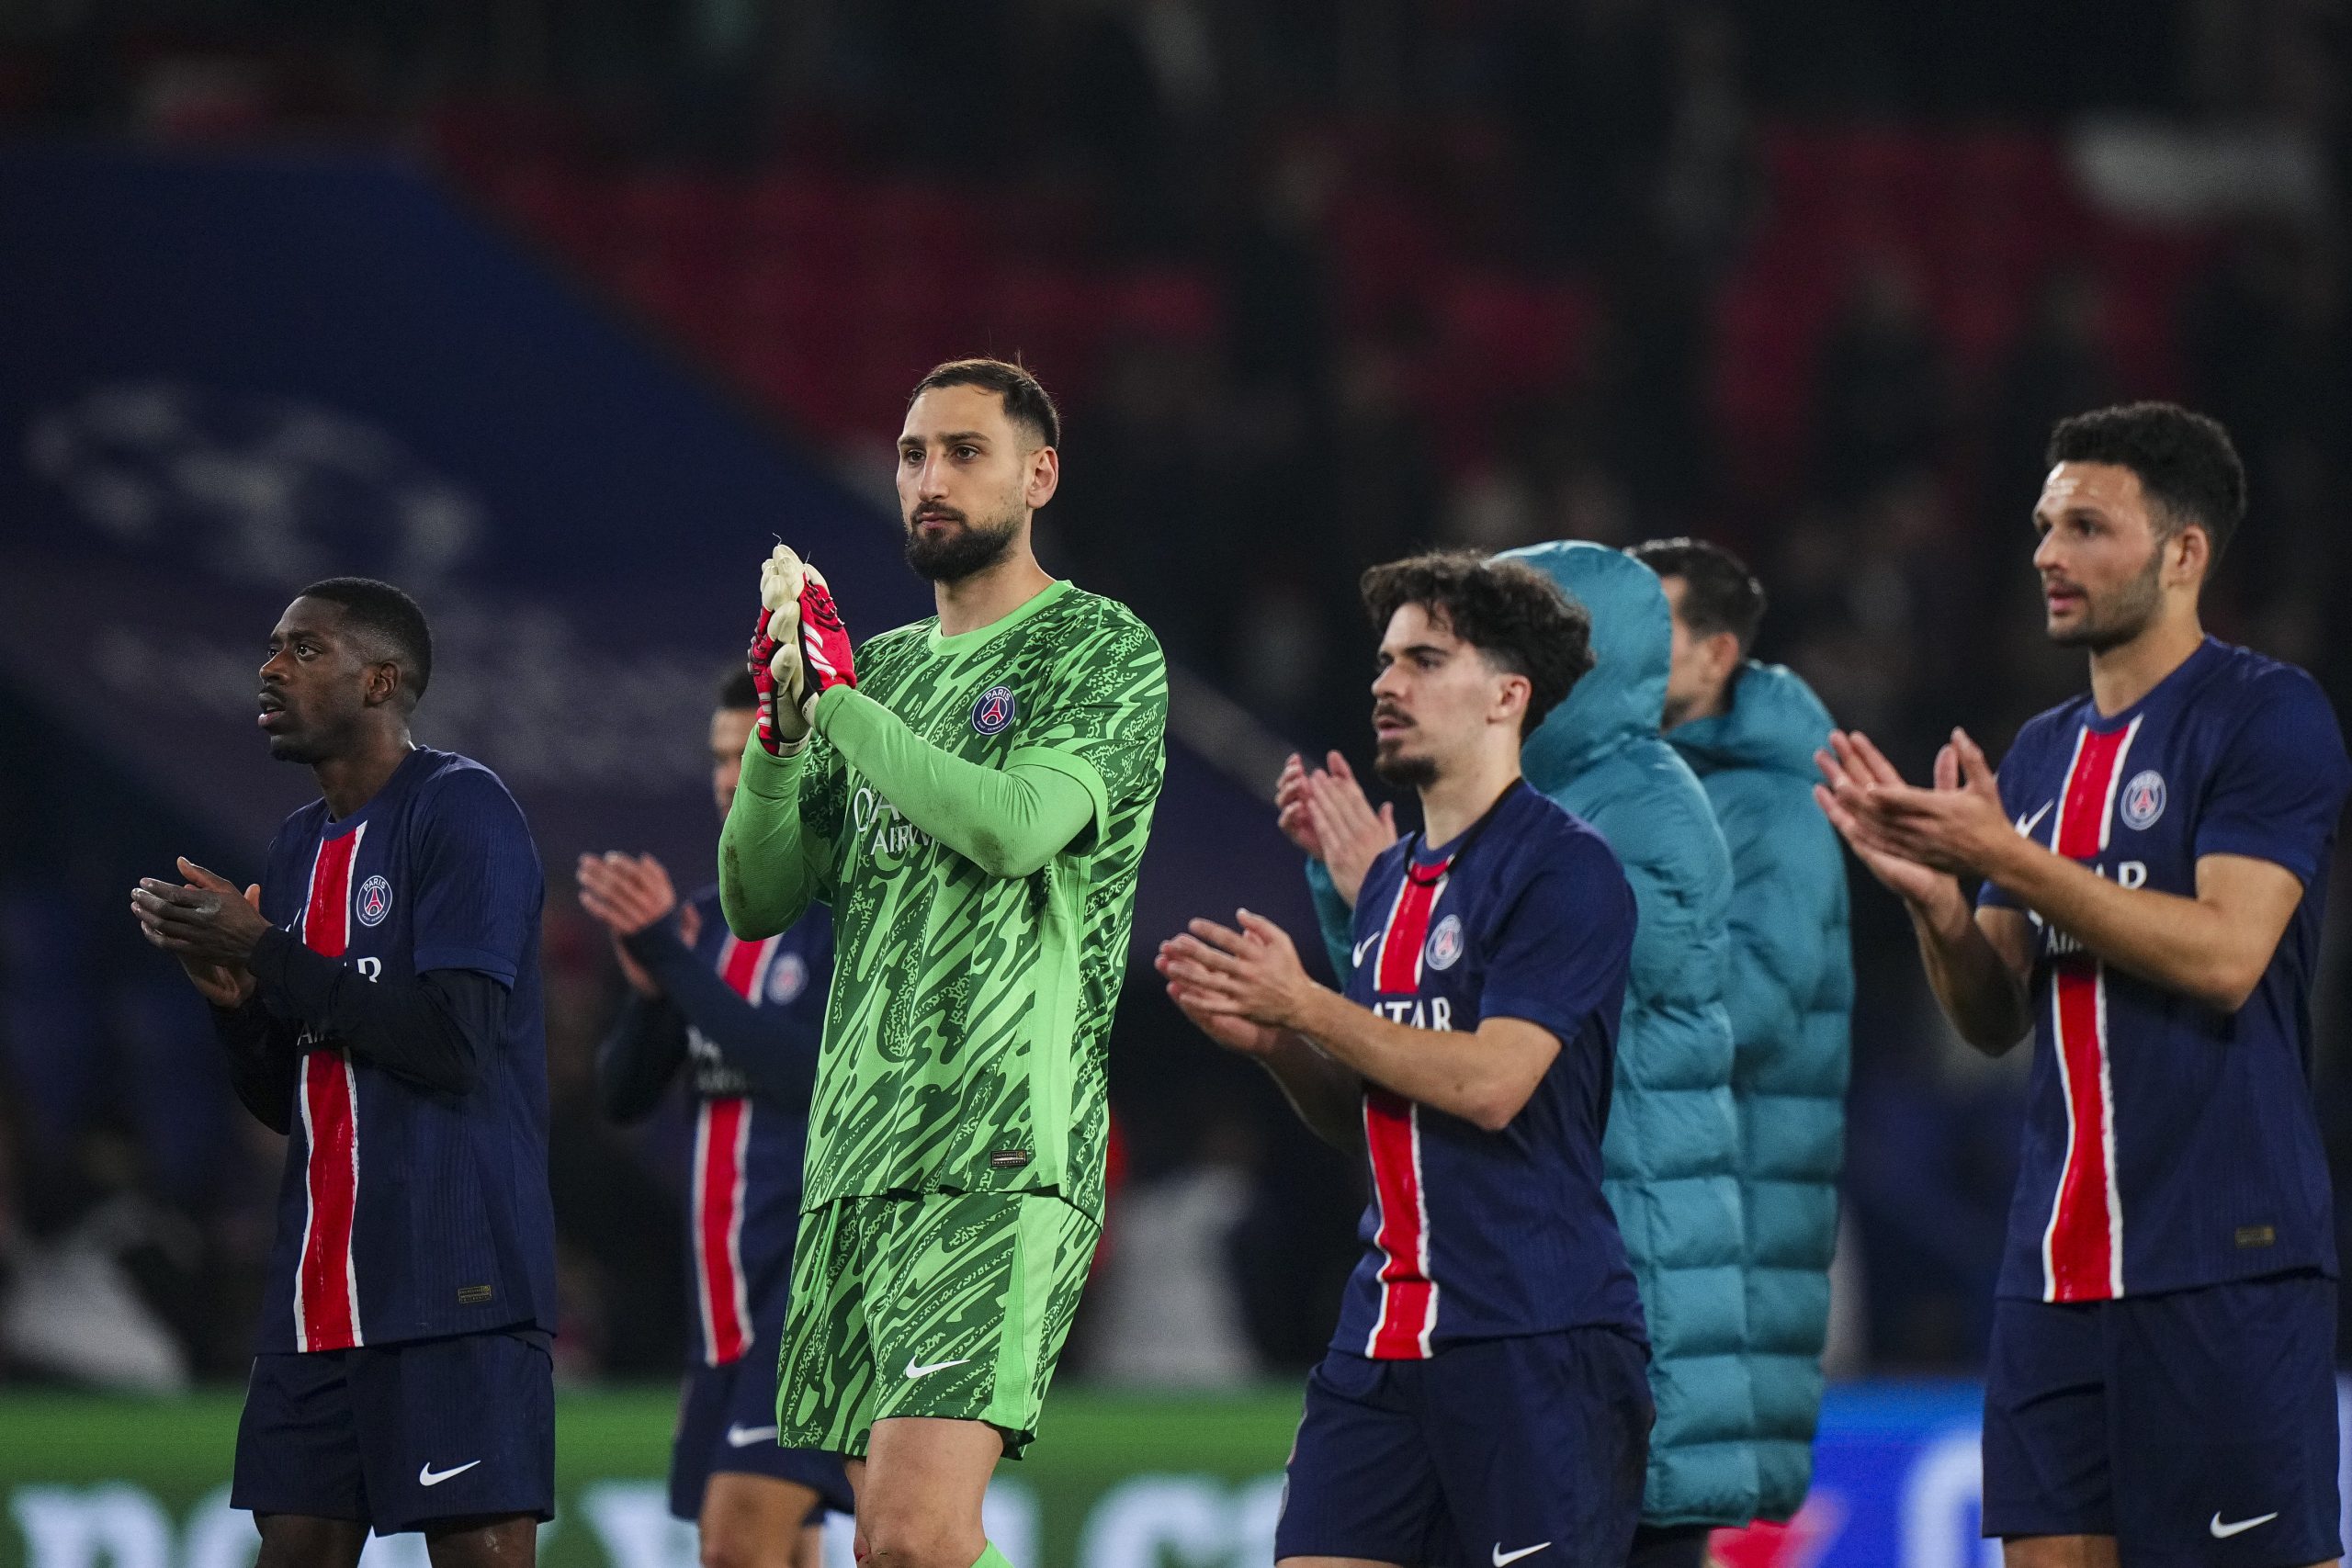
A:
(915, 1371)
(740, 1436)
(2223, 1533)
(1502, 1557)
(427, 1476)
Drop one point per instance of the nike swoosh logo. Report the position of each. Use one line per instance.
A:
(2025, 825)
(2223, 1533)
(744, 1436)
(915, 1371)
(1502, 1557)
(425, 1475)
(1363, 947)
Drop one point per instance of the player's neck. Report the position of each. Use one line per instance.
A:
(989, 595)
(2123, 675)
(352, 780)
(1456, 799)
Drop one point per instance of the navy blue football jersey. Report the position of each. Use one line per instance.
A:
(743, 1190)
(1471, 1234)
(2167, 1144)
(406, 1213)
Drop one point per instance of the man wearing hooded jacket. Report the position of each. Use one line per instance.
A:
(1749, 731)
(1671, 1152)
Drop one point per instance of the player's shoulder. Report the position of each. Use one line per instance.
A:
(2047, 728)
(301, 825)
(2243, 682)
(445, 779)
(1079, 615)
(1547, 839)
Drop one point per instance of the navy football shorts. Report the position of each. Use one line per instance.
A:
(726, 1422)
(1491, 1452)
(401, 1436)
(2196, 1427)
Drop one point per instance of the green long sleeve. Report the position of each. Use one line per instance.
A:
(1008, 821)
(768, 863)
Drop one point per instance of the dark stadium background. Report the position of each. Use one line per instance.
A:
(1317, 283)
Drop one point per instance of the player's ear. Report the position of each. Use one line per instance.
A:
(2192, 553)
(1045, 477)
(383, 684)
(1512, 699)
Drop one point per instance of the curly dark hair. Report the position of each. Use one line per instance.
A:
(1519, 620)
(2188, 467)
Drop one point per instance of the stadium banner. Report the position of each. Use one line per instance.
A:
(1116, 1481)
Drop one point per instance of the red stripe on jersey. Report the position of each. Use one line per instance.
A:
(2082, 1250)
(326, 1290)
(722, 1133)
(1391, 1130)
(1399, 968)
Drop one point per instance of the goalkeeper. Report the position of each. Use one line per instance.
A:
(970, 795)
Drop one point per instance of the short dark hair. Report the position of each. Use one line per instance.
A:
(2188, 467)
(736, 690)
(1517, 618)
(1026, 401)
(1719, 593)
(389, 617)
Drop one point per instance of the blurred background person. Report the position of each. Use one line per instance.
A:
(740, 1022)
(1750, 730)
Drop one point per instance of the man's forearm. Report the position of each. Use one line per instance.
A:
(1008, 821)
(1972, 983)
(764, 879)
(1327, 1097)
(1462, 1074)
(2181, 944)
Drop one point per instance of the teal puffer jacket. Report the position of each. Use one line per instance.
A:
(1671, 1155)
(1790, 997)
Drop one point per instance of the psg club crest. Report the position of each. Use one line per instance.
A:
(2144, 799)
(787, 977)
(1445, 944)
(993, 711)
(375, 901)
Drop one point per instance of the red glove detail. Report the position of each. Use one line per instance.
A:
(760, 656)
(824, 641)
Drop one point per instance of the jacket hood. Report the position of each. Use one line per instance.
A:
(1776, 723)
(1622, 697)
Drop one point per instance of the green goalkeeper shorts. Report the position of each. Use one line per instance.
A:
(948, 1304)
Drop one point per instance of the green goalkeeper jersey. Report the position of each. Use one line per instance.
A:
(965, 1036)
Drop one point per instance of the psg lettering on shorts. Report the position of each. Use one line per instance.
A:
(2167, 1144)
(1470, 1233)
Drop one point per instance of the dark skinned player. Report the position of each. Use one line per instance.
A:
(377, 994)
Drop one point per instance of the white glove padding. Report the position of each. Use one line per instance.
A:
(783, 707)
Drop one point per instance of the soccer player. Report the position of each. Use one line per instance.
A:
(377, 995)
(2154, 857)
(743, 1019)
(1749, 731)
(1485, 1396)
(971, 795)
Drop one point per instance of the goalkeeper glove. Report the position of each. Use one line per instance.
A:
(799, 649)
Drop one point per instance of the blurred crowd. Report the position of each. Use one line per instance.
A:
(1478, 272)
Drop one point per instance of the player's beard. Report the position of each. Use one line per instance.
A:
(2116, 619)
(1403, 772)
(959, 553)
